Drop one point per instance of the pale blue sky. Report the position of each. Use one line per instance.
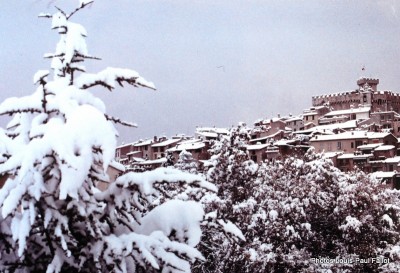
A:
(213, 62)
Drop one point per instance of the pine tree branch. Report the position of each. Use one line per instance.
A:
(46, 233)
(79, 8)
(60, 10)
(119, 121)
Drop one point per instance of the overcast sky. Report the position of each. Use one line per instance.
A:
(214, 63)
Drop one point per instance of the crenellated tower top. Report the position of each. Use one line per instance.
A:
(364, 83)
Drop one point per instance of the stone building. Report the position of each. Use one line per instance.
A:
(366, 95)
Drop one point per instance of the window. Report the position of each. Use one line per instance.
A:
(312, 117)
(358, 143)
(339, 145)
(145, 148)
(352, 145)
(382, 117)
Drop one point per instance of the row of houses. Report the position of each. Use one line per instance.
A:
(362, 133)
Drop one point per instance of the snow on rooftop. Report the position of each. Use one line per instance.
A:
(213, 130)
(193, 144)
(385, 148)
(369, 146)
(256, 147)
(126, 145)
(381, 174)
(296, 118)
(350, 135)
(346, 156)
(310, 113)
(133, 152)
(152, 162)
(348, 111)
(166, 142)
(117, 166)
(283, 142)
(266, 137)
(331, 154)
(330, 127)
(395, 159)
(208, 134)
(143, 143)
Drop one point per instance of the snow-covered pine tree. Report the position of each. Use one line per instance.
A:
(186, 162)
(231, 169)
(58, 143)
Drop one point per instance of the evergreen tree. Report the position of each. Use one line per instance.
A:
(186, 162)
(60, 141)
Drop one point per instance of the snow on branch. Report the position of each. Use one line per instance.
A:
(40, 76)
(27, 104)
(141, 186)
(155, 250)
(83, 4)
(109, 76)
(119, 121)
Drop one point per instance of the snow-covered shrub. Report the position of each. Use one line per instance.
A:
(59, 142)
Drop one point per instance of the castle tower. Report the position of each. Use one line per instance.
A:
(364, 83)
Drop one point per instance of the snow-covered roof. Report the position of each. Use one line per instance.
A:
(126, 145)
(212, 129)
(266, 137)
(297, 118)
(153, 162)
(385, 148)
(381, 174)
(117, 166)
(348, 156)
(395, 159)
(166, 142)
(378, 134)
(208, 134)
(348, 111)
(283, 142)
(369, 146)
(143, 143)
(351, 135)
(138, 159)
(188, 145)
(310, 113)
(133, 152)
(256, 147)
(331, 154)
(351, 124)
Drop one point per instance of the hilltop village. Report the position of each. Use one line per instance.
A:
(358, 128)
